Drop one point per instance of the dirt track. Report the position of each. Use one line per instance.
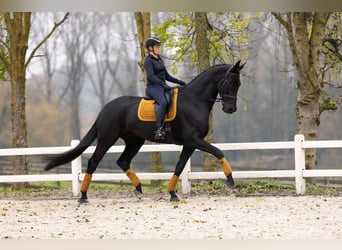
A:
(154, 217)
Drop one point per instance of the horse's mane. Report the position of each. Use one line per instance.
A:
(206, 71)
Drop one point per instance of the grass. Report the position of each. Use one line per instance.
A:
(217, 187)
(67, 185)
(263, 187)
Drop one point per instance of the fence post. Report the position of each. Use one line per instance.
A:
(186, 183)
(76, 169)
(299, 153)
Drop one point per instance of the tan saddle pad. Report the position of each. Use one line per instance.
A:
(146, 111)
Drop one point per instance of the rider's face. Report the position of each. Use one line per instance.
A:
(156, 49)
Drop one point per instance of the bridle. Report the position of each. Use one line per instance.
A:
(223, 96)
(221, 88)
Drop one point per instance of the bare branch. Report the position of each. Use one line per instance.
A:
(46, 38)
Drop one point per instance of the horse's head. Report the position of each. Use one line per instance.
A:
(229, 86)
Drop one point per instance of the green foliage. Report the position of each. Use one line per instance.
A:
(2, 72)
(2, 50)
(262, 187)
(333, 43)
(327, 102)
(228, 36)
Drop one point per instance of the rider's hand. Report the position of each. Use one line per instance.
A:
(180, 82)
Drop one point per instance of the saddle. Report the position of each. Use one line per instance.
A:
(146, 111)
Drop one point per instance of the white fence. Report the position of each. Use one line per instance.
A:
(299, 173)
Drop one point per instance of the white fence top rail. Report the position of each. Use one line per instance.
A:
(322, 144)
(176, 148)
(148, 148)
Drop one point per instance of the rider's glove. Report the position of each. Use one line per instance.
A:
(180, 82)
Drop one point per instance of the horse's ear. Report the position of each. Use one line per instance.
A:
(236, 67)
(241, 66)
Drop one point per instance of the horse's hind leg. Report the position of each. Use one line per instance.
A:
(133, 144)
(93, 162)
(183, 158)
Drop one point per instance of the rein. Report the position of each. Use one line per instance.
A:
(223, 96)
(219, 99)
(203, 98)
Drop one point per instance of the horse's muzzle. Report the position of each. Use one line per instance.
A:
(229, 110)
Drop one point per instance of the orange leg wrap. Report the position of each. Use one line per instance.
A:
(133, 177)
(172, 183)
(227, 170)
(86, 182)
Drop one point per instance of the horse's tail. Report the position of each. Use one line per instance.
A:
(68, 156)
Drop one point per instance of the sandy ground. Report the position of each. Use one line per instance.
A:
(154, 217)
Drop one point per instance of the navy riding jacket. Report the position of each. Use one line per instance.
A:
(156, 72)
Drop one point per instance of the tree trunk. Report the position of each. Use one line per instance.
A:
(307, 112)
(143, 22)
(18, 120)
(305, 35)
(202, 49)
(13, 51)
(18, 25)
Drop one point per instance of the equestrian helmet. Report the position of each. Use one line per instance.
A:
(152, 41)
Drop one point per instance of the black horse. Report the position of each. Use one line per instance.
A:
(118, 119)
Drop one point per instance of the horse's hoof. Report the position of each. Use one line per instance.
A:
(138, 194)
(174, 197)
(82, 201)
(230, 182)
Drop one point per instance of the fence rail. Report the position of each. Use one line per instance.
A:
(299, 173)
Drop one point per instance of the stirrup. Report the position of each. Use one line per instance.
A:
(159, 134)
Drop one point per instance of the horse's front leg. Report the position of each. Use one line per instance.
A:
(207, 147)
(183, 158)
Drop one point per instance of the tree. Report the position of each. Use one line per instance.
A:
(306, 33)
(5, 115)
(48, 55)
(101, 51)
(205, 39)
(106, 73)
(203, 58)
(13, 55)
(143, 23)
(76, 37)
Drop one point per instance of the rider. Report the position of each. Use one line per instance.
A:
(157, 75)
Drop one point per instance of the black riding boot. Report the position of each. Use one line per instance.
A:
(159, 134)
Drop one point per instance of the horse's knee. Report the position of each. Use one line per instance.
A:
(91, 166)
(124, 165)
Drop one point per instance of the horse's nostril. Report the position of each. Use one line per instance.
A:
(229, 110)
